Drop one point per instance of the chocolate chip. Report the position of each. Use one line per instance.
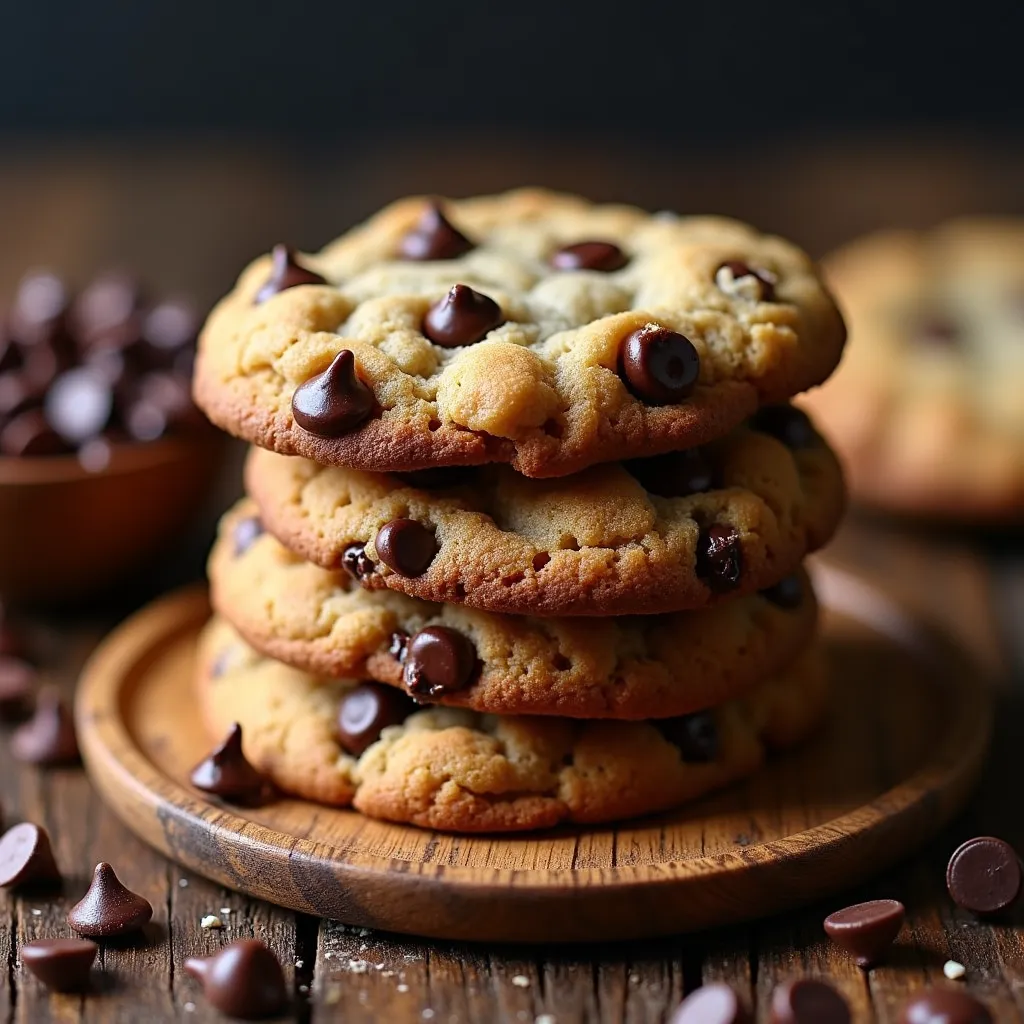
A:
(786, 424)
(695, 735)
(63, 965)
(602, 256)
(462, 317)
(740, 280)
(356, 562)
(334, 402)
(866, 930)
(286, 272)
(29, 434)
(808, 1002)
(146, 421)
(108, 302)
(659, 366)
(368, 709)
(42, 362)
(244, 980)
(17, 683)
(675, 474)
(945, 1006)
(26, 857)
(712, 1004)
(406, 547)
(18, 393)
(245, 533)
(788, 593)
(79, 405)
(48, 737)
(227, 773)
(171, 326)
(439, 660)
(94, 456)
(171, 394)
(434, 238)
(438, 478)
(984, 876)
(398, 645)
(108, 908)
(39, 307)
(719, 557)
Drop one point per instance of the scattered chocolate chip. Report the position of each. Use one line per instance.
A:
(108, 908)
(808, 1002)
(171, 326)
(245, 533)
(45, 360)
(63, 965)
(29, 434)
(406, 547)
(79, 405)
(696, 736)
(26, 857)
(602, 256)
(286, 272)
(439, 660)
(94, 456)
(462, 317)
(984, 876)
(48, 737)
(227, 773)
(712, 1004)
(866, 930)
(18, 393)
(675, 474)
(39, 307)
(658, 365)
(368, 709)
(740, 280)
(334, 402)
(438, 478)
(719, 557)
(356, 562)
(788, 593)
(786, 424)
(244, 980)
(108, 302)
(434, 238)
(171, 394)
(17, 684)
(945, 1006)
(146, 421)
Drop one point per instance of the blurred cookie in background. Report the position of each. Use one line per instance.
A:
(927, 407)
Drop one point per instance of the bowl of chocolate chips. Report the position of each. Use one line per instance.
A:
(103, 457)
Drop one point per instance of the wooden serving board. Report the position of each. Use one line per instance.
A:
(904, 743)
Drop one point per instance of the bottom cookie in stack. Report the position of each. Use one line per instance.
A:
(368, 745)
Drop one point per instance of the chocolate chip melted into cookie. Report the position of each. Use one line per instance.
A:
(659, 366)
(406, 546)
(695, 735)
(439, 659)
(434, 238)
(787, 424)
(366, 711)
(788, 593)
(462, 317)
(286, 272)
(602, 256)
(719, 558)
(334, 402)
(738, 279)
(356, 562)
(675, 474)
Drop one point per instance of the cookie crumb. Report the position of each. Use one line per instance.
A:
(36, 912)
(225, 911)
(521, 981)
(954, 971)
(299, 963)
(303, 988)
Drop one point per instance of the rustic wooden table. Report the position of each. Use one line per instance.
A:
(78, 213)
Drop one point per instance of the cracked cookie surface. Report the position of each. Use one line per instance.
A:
(527, 367)
(456, 770)
(597, 543)
(637, 667)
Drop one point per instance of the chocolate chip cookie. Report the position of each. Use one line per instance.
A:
(530, 328)
(655, 666)
(678, 531)
(366, 744)
(927, 409)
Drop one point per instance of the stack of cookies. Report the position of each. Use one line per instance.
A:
(526, 513)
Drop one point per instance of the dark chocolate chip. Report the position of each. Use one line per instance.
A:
(29, 434)
(434, 238)
(406, 547)
(398, 646)
(17, 684)
(659, 366)
(79, 405)
(245, 534)
(695, 735)
(108, 908)
(603, 256)
(719, 557)
(334, 402)
(737, 278)
(46, 360)
(866, 930)
(945, 1006)
(48, 737)
(785, 423)
(94, 456)
(26, 857)
(808, 1002)
(984, 876)
(39, 307)
(108, 302)
(356, 562)
(18, 393)
(788, 593)
(171, 326)
(675, 474)
(462, 317)
(712, 1004)
(286, 272)
(368, 709)
(438, 478)
(244, 980)
(227, 773)
(63, 965)
(439, 660)
(146, 421)
(171, 393)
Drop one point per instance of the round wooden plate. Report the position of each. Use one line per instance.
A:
(904, 742)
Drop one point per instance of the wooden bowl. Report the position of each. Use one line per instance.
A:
(66, 532)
